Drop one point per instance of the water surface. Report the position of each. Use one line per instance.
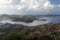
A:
(39, 21)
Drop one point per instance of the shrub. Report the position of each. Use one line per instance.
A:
(13, 36)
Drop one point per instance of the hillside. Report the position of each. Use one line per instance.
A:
(45, 31)
(42, 30)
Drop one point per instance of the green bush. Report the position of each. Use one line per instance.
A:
(58, 38)
(13, 36)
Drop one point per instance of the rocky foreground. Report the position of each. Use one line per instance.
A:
(51, 30)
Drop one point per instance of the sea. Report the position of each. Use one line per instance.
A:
(40, 21)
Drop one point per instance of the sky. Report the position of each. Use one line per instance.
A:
(29, 7)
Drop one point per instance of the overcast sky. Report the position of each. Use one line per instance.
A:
(29, 7)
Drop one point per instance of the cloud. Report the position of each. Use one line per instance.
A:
(36, 5)
(29, 6)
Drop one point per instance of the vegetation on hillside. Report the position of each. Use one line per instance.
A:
(41, 32)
